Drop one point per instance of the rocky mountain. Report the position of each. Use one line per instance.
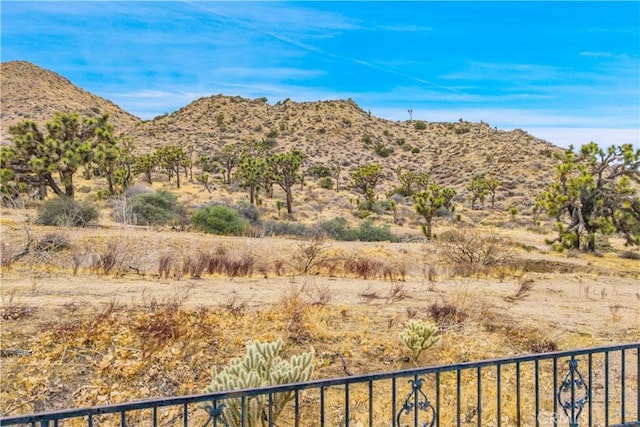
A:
(340, 130)
(30, 92)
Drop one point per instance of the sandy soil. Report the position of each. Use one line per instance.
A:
(582, 294)
(597, 305)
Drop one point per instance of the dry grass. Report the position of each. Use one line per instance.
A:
(147, 313)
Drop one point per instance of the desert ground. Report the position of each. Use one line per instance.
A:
(87, 336)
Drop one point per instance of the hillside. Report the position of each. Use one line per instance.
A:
(451, 152)
(31, 92)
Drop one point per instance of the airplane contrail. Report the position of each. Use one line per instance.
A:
(315, 49)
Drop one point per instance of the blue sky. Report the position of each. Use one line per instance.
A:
(566, 72)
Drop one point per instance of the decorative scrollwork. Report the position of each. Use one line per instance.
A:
(573, 393)
(418, 401)
(215, 415)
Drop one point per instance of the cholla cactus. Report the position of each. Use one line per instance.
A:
(262, 366)
(419, 336)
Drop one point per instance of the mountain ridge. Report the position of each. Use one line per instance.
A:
(32, 92)
(337, 130)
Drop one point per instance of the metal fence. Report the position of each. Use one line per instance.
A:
(594, 387)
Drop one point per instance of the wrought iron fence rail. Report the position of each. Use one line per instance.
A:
(572, 393)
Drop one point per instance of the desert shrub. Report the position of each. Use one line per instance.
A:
(469, 252)
(382, 206)
(219, 220)
(326, 182)
(166, 262)
(337, 228)
(285, 228)
(443, 212)
(362, 212)
(446, 313)
(136, 189)
(397, 291)
(272, 134)
(66, 212)
(415, 150)
(157, 208)
(630, 255)
(240, 266)
(109, 259)
(319, 171)
(269, 143)
(310, 254)
(52, 243)
(382, 151)
(603, 244)
(196, 264)
(367, 232)
(249, 212)
(362, 266)
(419, 125)
(318, 295)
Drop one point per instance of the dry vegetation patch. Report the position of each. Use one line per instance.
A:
(108, 317)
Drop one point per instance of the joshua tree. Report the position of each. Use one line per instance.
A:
(595, 190)
(365, 179)
(429, 201)
(284, 170)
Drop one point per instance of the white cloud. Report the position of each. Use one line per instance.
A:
(271, 73)
(504, 71)
(562, 130)
(147, 104)
(597, 54)
(579, 136)
(403, 28)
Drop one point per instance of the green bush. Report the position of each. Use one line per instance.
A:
(382, 206)
(338, 229)
(444, 212)
(157, 208)
(326, 182)
(66, 212)
(269, 143)
(219, 220)
(367, 232)
(249, 212)
(383, 151)
(419, 125)
(285, 228)
(272, 134)
(319, 171)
